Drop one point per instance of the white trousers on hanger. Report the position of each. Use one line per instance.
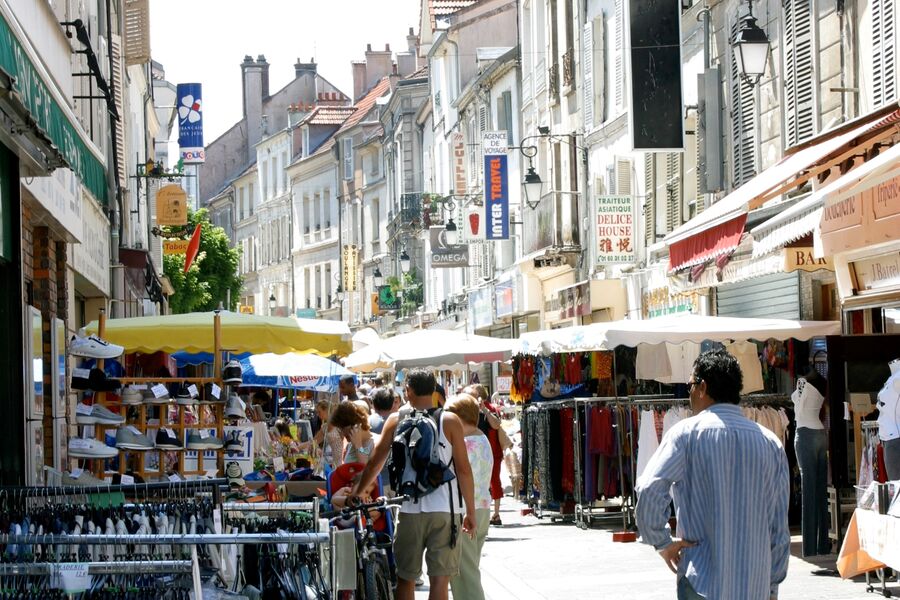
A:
(647, 440)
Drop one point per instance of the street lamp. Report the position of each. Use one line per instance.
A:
(751, 48)
(452, 233)
(377, 277)
(272, 302)
(404, 261)
(534, 188)
(339, 294)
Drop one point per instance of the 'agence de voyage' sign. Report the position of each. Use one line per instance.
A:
(496, 184)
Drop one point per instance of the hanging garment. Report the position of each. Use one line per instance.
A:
(653, 362)
(648, 441)
(748, 358)
(681, 361)
(566, 420)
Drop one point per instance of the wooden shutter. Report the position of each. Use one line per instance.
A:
(799, 84)
(118, 81)
(674, 191)
(587, 64)
(619, 49)
(743, 124)
(649, 198)
(623, 177)
(347, 144)
(884, 51)
(137, 32)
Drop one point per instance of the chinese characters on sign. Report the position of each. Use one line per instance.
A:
(615, 230)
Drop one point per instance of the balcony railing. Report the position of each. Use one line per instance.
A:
(568, 63)
(409, 217)
(553, 79)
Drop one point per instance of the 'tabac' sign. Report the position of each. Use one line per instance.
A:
(496, 196)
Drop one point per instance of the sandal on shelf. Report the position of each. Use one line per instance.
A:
(495, 520)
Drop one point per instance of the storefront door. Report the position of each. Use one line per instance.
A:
(12, 425)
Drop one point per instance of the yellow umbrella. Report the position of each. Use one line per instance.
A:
(193, 332)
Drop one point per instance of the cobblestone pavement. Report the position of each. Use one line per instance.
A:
(533, 559)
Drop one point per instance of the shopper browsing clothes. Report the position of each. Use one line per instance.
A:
(489, 422)
(431, 524)
(468, 583)
(729, 480)
(352, 420)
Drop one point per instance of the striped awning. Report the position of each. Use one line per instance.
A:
(793, 224)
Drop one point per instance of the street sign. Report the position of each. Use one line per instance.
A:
(175, 246)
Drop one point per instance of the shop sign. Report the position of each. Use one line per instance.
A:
(459, 165)
(351, 259)
(90, 259)
(496, 184)
(175, 246)
(473, 223)
(480, 308)
(387, 298)
(615, 230)
(886, 198)
(443, 255)
(171, 206)
(190, 122)
(302, 313)
(505, 297)
(575, 301)
(803, 259)
(662, 301)
(504, 384)
(842, 214)
(49, 117)
(247, 309)
(60, 195)
(877, 273)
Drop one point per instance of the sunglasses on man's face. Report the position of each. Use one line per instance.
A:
(695, 381)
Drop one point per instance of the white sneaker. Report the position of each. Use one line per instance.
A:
(90, 448)
(96, 414)
(131, 396)
(93, 347)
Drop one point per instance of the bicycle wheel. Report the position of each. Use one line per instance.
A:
(377, 575)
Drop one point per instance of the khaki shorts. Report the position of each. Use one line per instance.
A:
(427, 533)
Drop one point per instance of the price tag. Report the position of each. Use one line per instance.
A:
(204, 434)
(159, 390)
(169, 432)
(216, 391)
(76, 472)
(81, 373)
(80, 444)
(71, 578)
(84, 409)
(139, 386)
(212, 473)
(174, 478)
(278, 462)
(192, 390)
(127, 480)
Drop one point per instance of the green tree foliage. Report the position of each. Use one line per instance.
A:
(212, 273)
(410, 291)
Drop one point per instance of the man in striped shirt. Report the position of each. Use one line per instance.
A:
(729, 479)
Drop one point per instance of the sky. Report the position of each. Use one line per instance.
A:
(205, 41)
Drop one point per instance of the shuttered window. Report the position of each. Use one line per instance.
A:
(674, 191)
(799, 83)
(587, 64)
(137, 32)
(649, 198)
(743, 124)
(347, 153)
(619, 50)
(118, 81)
(505, 116)
(623, 177)
(884, 51)
(483, 125)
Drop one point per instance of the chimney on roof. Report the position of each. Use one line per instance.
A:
(379, 64)
(359, 78)
(301, 68)
(255, 80)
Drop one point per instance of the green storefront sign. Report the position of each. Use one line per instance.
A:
(48, 114)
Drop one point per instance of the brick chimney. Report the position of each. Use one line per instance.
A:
(301, 68)
(255, 78)
(359, 78)
(379, 63)
(264, 66)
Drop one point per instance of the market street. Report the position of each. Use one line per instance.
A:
(533, 559)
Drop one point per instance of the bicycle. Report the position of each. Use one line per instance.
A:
(375, 573)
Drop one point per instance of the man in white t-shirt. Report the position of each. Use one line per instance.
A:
(425, 527)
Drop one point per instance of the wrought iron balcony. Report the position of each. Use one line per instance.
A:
(409, 217)
(553, 77)
(568, 63)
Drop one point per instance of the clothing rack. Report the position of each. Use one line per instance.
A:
(80, 490)
(136, 567)
(257, 507)
(783, 400)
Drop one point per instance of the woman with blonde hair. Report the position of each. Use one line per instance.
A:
(467, 584)
(329, 438)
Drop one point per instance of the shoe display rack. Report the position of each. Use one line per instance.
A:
(135, 457)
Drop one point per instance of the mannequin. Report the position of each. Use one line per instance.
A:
(889, 421)
(809, 445)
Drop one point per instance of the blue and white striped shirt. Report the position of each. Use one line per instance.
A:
(729, 479)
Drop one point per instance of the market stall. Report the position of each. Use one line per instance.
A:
(588, 387)
(169, 426)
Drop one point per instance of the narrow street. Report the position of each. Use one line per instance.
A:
(534, 559)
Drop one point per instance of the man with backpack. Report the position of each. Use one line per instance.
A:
(428, 462)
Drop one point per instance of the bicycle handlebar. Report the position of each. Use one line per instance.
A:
(362, 508)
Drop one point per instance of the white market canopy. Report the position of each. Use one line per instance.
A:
(434, 348)
(673, 329)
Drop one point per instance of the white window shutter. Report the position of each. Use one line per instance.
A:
(623, 177)
(118, 80)
(650, 198)
(599, 74)
(619, 50)
(348, 157)
(587, 64)
(137, 32)
(743, 123)
(799, 108)
(674, 189)
(884, 51)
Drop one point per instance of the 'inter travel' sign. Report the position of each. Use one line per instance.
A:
(496, 184)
